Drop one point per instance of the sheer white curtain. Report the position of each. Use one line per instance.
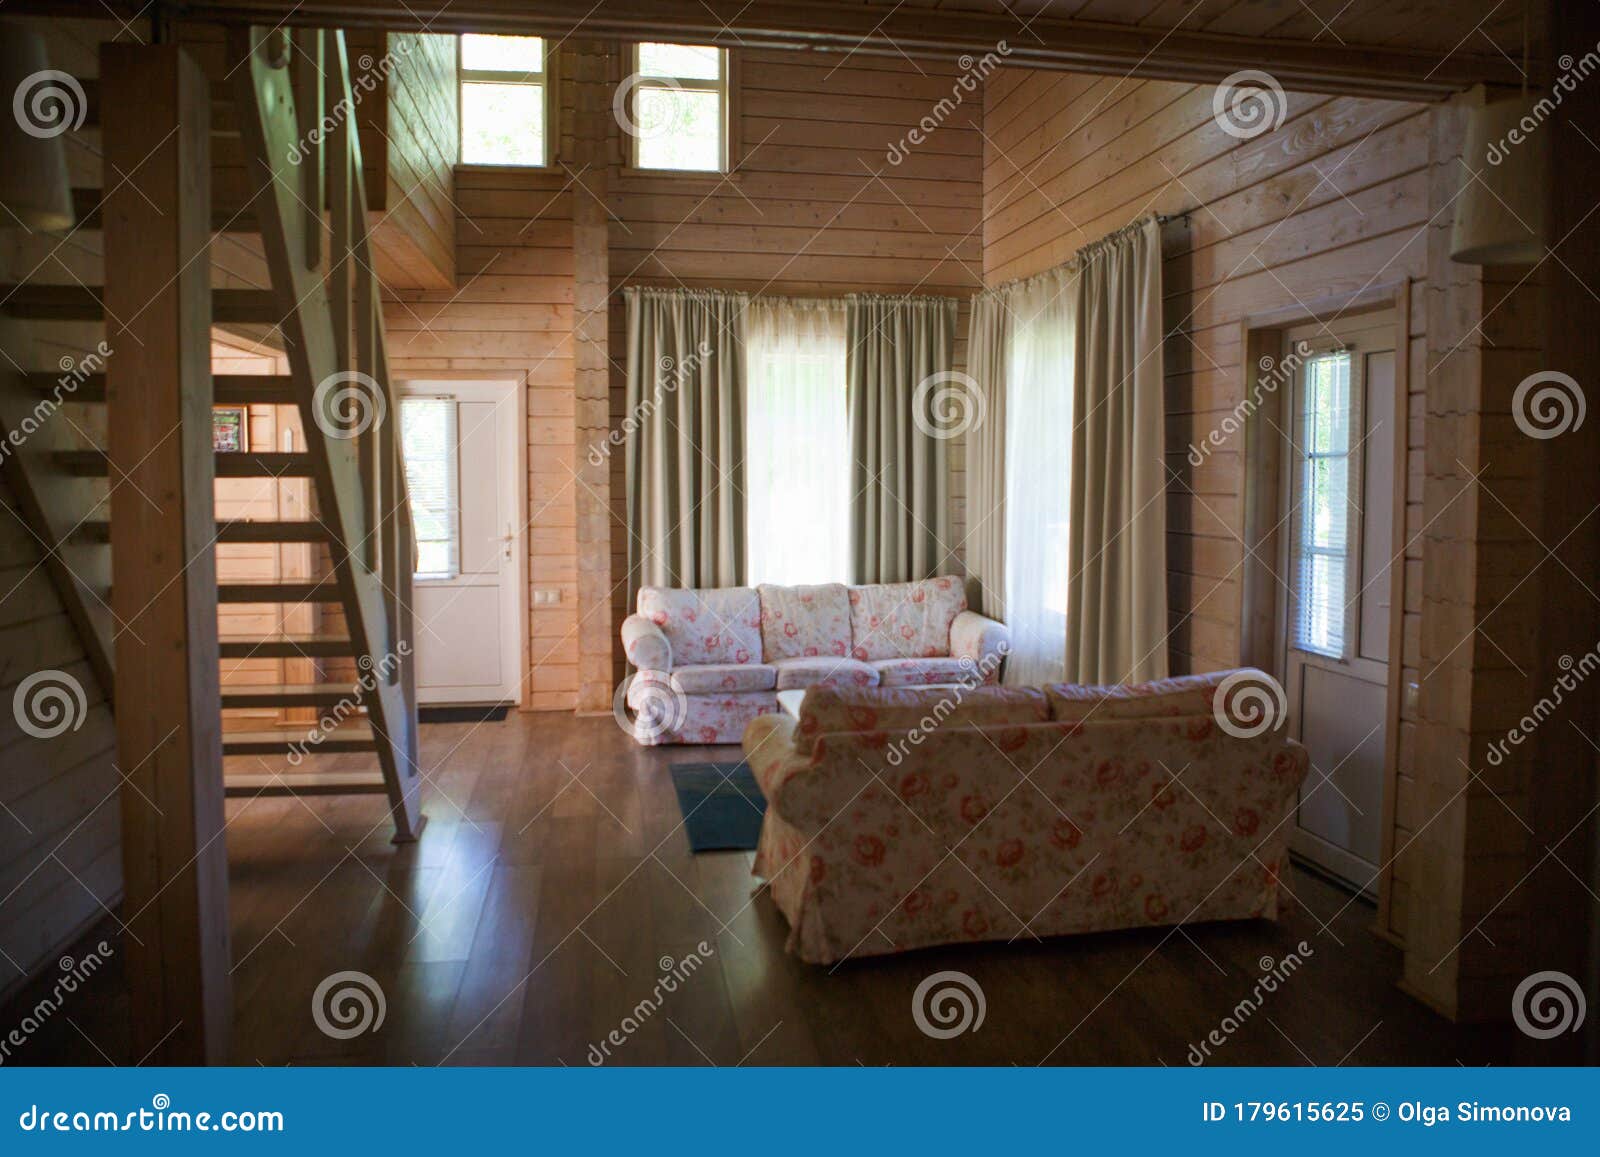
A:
(797, 442)
(1038, 472)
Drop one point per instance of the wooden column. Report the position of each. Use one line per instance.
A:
(155, 109)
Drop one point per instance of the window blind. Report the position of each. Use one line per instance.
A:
(1322, 539)
(428, 440)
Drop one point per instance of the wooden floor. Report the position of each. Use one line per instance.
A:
(553, 884)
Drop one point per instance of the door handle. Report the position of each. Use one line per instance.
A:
(508, 540)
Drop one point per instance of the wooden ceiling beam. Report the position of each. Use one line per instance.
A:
(848, 29)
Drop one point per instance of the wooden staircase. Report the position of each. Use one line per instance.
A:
(325, 303)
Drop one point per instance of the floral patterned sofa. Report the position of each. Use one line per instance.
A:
(709, 661)
(898, 819)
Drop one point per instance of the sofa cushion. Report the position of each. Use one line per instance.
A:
(905, 620)
(806, 672)
(921, 672)
(831, 709)
(1183, 695)
(714, 678)
(706, 626)
(804, 621)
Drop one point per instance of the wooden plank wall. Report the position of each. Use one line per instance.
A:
(512, 313)
(816, 208)
(1333, 202)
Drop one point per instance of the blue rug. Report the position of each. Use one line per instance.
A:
(721, 804)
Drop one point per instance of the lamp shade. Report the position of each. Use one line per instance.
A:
(1500, 214)
(45, 105)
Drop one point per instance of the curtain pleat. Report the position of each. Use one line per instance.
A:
(902, 392)
(988, 337)
(1116, 595)
(685, 438)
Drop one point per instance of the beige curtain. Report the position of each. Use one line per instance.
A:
(988, 335)
(684, 434)
(1116, 592)
(903, 412)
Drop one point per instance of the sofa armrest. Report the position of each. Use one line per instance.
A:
(982, 641)
(768, 745)
(645, 644)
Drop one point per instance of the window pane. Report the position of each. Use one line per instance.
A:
(502, 124)
(686, 61)
(1323, 511)
(797, 447)
(678, 129)
(428, 443)
(502, 53)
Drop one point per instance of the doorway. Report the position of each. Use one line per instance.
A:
(1334, 604)
(463, 442)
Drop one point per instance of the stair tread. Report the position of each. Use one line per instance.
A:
(232, 531)
(226, 389)
(85, 303)
(278, 590)
(351, 736)
(285, 646)
(229, 463)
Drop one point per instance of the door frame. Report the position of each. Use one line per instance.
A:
(515, 382)
(1261, 337)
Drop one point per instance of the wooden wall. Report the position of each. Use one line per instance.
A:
(815, 208)
(1332, 203)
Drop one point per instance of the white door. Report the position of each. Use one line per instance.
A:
(462, 451)
(1335, 625)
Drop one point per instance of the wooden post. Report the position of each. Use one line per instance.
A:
(156, 120)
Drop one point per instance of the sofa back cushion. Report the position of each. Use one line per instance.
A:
(1183, 695)
(826, 709)
(706, 626)
(905, 620)
(805, 621)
